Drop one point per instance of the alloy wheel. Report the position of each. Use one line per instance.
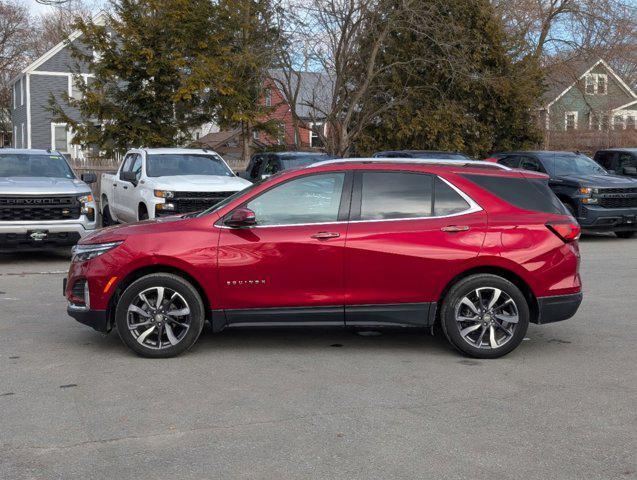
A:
(158, 318)
(486, 318)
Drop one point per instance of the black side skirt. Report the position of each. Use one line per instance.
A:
(399, 315)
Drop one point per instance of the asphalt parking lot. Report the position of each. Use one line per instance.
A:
(319, 404)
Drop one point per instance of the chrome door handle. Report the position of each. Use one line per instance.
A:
(325, 235)
(455, 228)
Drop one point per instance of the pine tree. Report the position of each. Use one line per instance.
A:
(462, 89)
(160, 68)
(252, 36)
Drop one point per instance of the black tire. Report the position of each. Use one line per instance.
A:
(195, 321)
(107, 220)
(625, 234)
(142, 213)
(467, 286)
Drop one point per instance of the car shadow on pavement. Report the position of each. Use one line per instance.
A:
(287, 340)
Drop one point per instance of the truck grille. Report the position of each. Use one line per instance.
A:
(617, 197)
(36, 207)
(194, 201)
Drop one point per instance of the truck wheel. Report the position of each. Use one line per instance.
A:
(625, 234)
(160, 315)
(484, 316)
(107, 220)
(142, 213)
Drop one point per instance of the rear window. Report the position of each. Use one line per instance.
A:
(525, 193)
(393, 195)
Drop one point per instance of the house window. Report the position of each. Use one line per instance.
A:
(618, 122)
(268, 97)
(15, 136)
(74, 90)
(315, 137)
(255, 134)
(15, 89)
(570, 120)
(596, 83)
(22, 91)
(602, 81)
(22, 135)
(59, 137)
(605, 122)
(630, 121)
(280, 137)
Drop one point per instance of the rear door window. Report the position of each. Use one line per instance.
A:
(395, 195)
(531, 164)
(446, 200)
(525, 193)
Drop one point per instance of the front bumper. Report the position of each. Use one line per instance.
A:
(39, 234)
(96, 319)
(602, 219)
(558, 308)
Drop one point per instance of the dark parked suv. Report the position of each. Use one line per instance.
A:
(265, 164)
(422, 154)
(620, 161)
(599, 200)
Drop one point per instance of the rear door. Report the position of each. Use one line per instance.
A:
(409, 232)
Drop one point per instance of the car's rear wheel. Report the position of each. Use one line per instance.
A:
(160, 315)
(485, 316)
(625, 234)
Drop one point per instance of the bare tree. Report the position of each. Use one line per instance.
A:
(15, 33)
(343, 55)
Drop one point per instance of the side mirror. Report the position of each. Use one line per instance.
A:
(632, 171)
(128, 177)
(88, 177)
(241, 217)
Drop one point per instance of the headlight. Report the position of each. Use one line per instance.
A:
(87, 205)
(588, 190)
(164, 194)
(82, 253)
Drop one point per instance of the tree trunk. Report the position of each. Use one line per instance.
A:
(246, 135)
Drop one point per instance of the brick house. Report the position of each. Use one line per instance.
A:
(587, 106)
(312, 99)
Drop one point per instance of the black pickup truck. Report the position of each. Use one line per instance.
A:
(599, 200)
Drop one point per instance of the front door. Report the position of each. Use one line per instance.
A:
(408, 231)
(289, 267)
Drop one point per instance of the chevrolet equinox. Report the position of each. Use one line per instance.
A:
(476, 247)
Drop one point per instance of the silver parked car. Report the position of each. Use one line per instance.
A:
(42, 202)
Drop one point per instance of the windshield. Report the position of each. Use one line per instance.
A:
(298, 161)
(227, 200)
(573, 165)
(173, 164)
(34, 165)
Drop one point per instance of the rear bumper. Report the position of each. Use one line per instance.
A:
(607, 219)
(558, 308)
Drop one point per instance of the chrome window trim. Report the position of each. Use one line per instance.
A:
(473, 208)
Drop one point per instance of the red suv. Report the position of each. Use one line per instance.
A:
(364, 243)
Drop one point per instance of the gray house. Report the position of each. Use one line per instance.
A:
(53, 73)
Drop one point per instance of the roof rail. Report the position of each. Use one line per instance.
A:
(421, 161)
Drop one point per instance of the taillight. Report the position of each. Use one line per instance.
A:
(567, 231)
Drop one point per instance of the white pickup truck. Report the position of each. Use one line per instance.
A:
(166, 181)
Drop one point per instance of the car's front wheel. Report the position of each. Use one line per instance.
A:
(160, 315)
(485, 316)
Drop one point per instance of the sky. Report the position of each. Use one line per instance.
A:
(36, 8)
